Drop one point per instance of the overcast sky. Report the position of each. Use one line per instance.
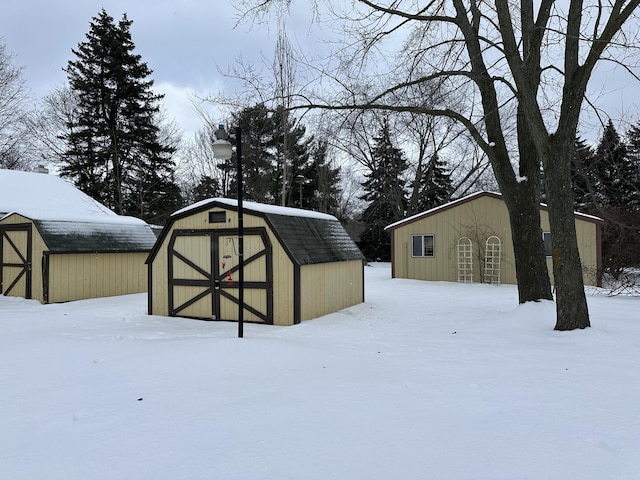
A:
(182, 41)
(185, 41)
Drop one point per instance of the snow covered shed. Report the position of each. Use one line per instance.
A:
(298, 264)
(58, 244)
(469, 240)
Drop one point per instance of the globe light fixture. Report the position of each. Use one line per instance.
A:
(222, 147)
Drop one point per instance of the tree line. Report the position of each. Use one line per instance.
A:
(606, 183)
(105, 132)
(483, 88)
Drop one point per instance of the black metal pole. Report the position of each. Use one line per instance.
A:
(240, 235)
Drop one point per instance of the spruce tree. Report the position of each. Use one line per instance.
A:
(385, 191)
(207, 187)
(258, 161)
(612, 170)
(268, 139)
(324, 180)
(436, 186)
(291, 146)
(114, 151)
(314, 183)
(613, 183)
(633, 151)
(583, 175)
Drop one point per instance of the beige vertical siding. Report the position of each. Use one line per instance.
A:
(328, 287)
(476, 219)
(91, 275)
(283, 281)
(75, 276)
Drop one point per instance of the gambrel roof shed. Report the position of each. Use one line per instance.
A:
(59, 244)
(298, 264)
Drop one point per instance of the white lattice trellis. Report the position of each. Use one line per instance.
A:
(465, 260)
(492, 257)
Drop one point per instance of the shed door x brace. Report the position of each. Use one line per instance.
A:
(203, 268)
(15, 260)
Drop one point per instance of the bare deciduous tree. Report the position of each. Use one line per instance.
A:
(531, 58)
(284, 74)
(13, 96)
(46, 125)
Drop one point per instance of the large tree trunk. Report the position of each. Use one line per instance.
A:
(571, 302)
(528, 248)
(522, 197)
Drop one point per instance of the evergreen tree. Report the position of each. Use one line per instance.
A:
(633, 151)
(583, 175)
(207, 187)
(268, 139)
(612, 170)
(324, 180)
(315, 184)
(385, 191)
(292, 147)
(436, 186)
(114, 152)
(258, 161)
(605, 183)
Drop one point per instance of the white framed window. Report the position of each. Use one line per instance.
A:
(422, 246)
(546, 238)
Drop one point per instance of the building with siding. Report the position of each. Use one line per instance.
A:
(58, 244)
(298, 264)
(469, 240)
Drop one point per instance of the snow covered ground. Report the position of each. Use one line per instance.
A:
(423, 381)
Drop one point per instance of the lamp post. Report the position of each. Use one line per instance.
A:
(222, 149)
(300, 179)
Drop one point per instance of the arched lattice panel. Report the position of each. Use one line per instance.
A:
(465, 260)
(492, 257)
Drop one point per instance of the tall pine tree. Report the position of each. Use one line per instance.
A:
(612, 170)
(633, 151)
(268, 139)
(114, 149)
(436, 186)
(291, 146)
(605, 183)
(386, 193)
(324, 180)
(257, 155)
(583, 175)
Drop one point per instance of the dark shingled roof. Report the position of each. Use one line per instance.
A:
(314, 240)
(307, 237)
(81, 236)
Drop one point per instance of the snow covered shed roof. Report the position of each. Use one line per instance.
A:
(74, 236)
(308, 237)
(67, 219)
(470, 198)
(44, 196)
